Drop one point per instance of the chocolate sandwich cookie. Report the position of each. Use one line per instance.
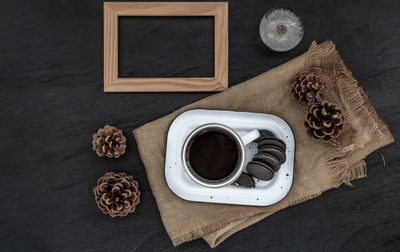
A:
(245, 180)
(275, 142)
(260, 170)
(268, 159)
(281, 155)
(264, 134)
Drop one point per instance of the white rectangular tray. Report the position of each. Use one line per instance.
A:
(265, 193)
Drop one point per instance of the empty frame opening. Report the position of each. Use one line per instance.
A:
(165, 47)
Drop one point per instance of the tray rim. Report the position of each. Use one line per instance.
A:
(174, 187)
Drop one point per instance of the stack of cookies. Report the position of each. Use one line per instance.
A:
(270, 156)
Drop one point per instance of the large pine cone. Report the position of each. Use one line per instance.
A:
(324, 121)
(117, 194)
(308, 87)
(109, 141)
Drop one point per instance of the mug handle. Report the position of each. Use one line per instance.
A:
(250, 137)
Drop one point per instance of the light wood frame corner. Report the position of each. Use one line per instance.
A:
(112, 10)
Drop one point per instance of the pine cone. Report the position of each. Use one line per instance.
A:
(117, 194)
(308, 87)
(109, 141)
(324, 121)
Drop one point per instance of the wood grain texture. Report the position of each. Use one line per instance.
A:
(110, 46)
(112, 83)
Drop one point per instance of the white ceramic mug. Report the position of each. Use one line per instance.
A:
(241, 142)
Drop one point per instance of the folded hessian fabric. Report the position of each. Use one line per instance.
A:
(319, 165)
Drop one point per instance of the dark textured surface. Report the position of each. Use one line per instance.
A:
(157, 47)
(52, 100)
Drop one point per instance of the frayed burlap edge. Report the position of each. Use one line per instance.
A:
(349, 92)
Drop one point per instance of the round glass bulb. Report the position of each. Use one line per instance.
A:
(281, 29)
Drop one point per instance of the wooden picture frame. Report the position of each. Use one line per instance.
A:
(112, 10)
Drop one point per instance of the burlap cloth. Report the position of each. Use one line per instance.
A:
(319, 166)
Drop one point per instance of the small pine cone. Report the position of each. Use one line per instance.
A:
(109, 141)
(324, 121)
(117, 194)
(308, 87)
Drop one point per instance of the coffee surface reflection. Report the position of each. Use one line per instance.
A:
(213, 155)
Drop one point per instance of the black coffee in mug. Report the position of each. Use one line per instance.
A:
(213, 155)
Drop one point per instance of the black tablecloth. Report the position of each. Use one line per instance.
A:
(52, 101)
